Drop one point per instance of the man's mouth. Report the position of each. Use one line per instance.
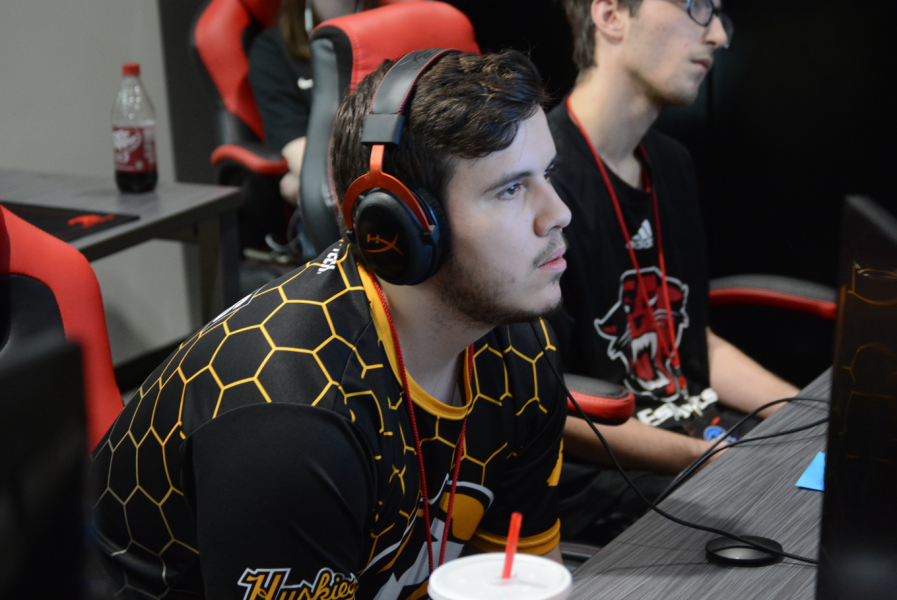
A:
(555, 259)
(706, 63)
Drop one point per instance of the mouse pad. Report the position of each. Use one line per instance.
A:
(65, 223)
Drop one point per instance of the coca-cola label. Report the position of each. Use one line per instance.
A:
(135, 149)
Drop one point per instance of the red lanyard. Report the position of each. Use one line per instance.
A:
(420, 457)
(672, 351)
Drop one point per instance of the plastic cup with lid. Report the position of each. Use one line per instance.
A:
(479, 577)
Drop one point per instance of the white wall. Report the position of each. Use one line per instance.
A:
(60, 66)
(60, 69)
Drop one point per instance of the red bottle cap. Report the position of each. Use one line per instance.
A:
(130, 69)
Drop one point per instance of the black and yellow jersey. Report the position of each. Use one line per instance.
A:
(271, 457)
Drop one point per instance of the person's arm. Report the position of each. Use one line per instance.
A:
(289, 183)
(741, 383)
(278, 490)
(284, 108)
(636, 446)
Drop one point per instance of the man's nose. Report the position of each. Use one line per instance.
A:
(554, 214)
(716, 33)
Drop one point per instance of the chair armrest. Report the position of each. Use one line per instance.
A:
(777, 291)
(605, 402)
(249, 156)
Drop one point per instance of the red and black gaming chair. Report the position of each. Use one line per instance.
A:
(48, 287)
(220, 39)
(343, 51)
(775, 291)
(784, 323)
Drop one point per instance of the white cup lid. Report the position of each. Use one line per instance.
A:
(478, 577)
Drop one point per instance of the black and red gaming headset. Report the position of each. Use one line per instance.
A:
(402, 233)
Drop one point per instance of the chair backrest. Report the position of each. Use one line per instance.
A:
(48, 288)
(220, 40)
(343, 51)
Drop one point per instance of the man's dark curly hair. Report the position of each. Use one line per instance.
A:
(583, 29)
(464, 106)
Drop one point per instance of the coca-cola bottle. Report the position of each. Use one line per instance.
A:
(134, 134)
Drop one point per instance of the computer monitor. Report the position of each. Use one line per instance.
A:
(858, 549)
(43, 458)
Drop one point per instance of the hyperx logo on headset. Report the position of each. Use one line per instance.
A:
(381, 213)
(386, 245)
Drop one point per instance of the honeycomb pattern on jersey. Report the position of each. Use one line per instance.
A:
(147, 502)
(492, 385)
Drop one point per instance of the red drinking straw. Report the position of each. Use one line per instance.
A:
(511, 546)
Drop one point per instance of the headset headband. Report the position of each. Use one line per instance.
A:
(383, 125)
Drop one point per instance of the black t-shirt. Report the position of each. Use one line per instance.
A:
(282, 89)
(272, 455)
(604, 327)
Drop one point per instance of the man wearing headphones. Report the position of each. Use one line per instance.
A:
(635, 293)
(345, 429)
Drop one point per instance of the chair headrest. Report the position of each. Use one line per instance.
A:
(218, 39)
(263, 11)
(343, 51)
(390, 32)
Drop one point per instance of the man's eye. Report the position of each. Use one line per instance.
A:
(510, 191)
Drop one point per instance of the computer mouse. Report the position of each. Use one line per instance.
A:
(732, 552)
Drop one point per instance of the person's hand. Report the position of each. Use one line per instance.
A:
(699, 448)
(720, 451)
(289, 188)
(703, 446)
(294, 151)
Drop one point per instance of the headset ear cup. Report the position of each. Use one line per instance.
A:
(441, 233)
(392, 241)
(390, 238)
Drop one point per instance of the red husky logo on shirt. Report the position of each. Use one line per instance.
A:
(630, 330)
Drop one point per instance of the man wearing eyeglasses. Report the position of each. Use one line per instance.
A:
(636, 287)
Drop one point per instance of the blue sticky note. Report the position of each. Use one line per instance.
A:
(814, 477)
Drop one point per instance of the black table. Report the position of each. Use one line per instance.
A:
(749, 490)
(201, 214)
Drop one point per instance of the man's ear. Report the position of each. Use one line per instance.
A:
(609, 19)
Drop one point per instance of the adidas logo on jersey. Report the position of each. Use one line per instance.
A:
(644, 238)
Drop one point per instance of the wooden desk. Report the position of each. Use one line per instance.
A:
(201, 214)
(749, 490)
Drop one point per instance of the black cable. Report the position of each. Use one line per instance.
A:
(694, 466)
(713, 449)
(772, 435)
(297, 248)
(639, 493)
